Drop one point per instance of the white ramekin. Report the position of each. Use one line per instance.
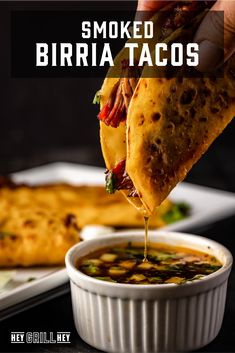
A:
(148, 318)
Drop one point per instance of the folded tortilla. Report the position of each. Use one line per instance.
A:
(36, 236)
(113, 140)
(170, 123)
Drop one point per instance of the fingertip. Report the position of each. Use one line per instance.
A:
(147, 8)
(211, 56)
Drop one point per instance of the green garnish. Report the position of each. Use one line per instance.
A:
(178, 212)
(198, 276)
(107, 279)
(30, 279)
(210, 268)
(178, 267)
(134, 251)
(90, 269)
(213, 259)
(161, 257)
(155, 279)
(96, 99)
(118, 250)
(110, 183)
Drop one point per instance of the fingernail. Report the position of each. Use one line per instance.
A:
(210, 56)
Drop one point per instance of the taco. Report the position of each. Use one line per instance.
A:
(166, 124)
(171, 123)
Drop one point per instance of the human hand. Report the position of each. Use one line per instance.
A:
(146, 8)
(215, 35)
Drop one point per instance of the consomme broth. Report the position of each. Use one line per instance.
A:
(166, 264)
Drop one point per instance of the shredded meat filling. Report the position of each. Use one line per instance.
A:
(115, 110)
(118, 179)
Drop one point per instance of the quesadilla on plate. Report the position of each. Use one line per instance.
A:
(38, 224)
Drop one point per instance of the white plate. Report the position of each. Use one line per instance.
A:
(207, 206)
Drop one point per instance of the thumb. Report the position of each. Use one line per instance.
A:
(216, 36)
(147, 8)
(151, 5)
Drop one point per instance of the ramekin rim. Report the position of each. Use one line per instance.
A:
(171, 286)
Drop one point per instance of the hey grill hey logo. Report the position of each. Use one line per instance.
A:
(40, 337)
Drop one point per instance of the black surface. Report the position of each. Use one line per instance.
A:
(36, 300)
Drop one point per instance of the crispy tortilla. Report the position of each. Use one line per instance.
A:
(113, 140)
(34, 235)
(120, 144)
(171, 123)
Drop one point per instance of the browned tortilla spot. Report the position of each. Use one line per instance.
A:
(14, 237)
(158, 141)
(31, 236)
(203, 119)
(189, 142)
(188, 96)
(214, 110)
(192, 112)
(156, 116)
(171, 126)
(153, 148)
(29, 223)
(141, 120)
(169, 100)
(70, 220)
(202, 102)
(206, 92)
(180, 79)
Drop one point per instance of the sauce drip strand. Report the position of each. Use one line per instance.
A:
(146, 228)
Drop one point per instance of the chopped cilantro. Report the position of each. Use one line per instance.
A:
(155, 279)
(178, 212)
(96, 99)
(107, 279)
(110, 183)
(90, 269)
(30, 279)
